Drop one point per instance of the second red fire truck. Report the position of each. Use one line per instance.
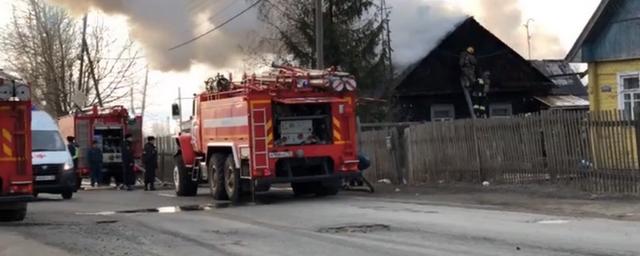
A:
(108, 126)
(290, 125)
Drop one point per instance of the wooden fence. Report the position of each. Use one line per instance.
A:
(596, 152)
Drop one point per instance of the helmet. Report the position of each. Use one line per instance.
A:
(471, 50)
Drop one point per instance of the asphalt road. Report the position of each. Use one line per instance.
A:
(109, 222)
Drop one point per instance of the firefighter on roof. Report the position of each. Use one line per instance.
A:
(468, 64)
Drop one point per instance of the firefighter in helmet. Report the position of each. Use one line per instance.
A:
(468, 64)
(72, 146)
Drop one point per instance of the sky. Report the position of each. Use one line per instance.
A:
(559, 19)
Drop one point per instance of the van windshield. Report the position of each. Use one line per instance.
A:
(46, 141)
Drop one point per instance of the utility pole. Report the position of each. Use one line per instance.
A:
(526, 25)
(144, 90)
(92, 70)
(319, 35)
(132, 107)
(82, 46)
(384, 14)
(180, 106)
(80, 91)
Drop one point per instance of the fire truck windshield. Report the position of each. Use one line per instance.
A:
(47, 141)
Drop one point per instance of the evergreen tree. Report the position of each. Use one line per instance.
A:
(354, 36)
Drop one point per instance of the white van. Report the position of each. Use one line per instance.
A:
(53, 170)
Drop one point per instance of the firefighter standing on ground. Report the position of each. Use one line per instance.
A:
(128, 176)
(72, 146)
(150, 160)
(95, 163)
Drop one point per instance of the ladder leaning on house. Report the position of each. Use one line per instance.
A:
(467, 97)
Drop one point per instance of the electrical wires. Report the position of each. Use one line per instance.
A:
(216, 27)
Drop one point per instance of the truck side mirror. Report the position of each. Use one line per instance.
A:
(175, 111)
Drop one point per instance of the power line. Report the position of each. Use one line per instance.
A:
(224, 9)
(216, 27)
(121, 58)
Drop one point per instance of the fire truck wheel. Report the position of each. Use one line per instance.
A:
(326, 189)
(300, 189)
(183, 183)
(17, 213)
(216, 177)
(231, 180)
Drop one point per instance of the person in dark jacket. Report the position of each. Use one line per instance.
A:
(72, 146)
(128, 176)
(94, 156)
(150, 161)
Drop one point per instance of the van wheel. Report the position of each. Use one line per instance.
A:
(183, 183)
(215, 170)
(17, 213)
(67, 195)
(232, 180)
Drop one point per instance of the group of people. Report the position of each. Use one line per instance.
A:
(95, 162)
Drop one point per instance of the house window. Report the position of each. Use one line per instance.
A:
(500, 110)
(442, 113)
(629, 93)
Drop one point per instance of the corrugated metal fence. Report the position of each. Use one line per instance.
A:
(167, 147)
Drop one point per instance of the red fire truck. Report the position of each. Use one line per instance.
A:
(107, 126)
(16, 178)
(289, 125)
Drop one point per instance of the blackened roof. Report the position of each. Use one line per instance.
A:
(566, 79)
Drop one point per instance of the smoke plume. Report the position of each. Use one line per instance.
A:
(160, 24)
(504, 18)
(417, 26)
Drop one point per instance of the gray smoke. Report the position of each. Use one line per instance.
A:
(417, 27)
(160, 24)
(504, 18)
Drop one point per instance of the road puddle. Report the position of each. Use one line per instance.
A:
(162, 210)
(549, 221)
(361, 228)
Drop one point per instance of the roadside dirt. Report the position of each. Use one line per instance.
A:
(547, 199)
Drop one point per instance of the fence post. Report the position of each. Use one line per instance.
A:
(476, 144)
(636, 125)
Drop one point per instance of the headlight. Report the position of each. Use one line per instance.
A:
(68, 166)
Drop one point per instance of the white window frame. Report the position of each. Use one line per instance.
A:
(631, 92)
(506, 105)
(440, 107)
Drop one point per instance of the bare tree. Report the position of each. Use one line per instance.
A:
(116, 65)
(42, 44)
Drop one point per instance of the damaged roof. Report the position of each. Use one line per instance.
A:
(438, 71)
(567, 81)
(564, 102)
